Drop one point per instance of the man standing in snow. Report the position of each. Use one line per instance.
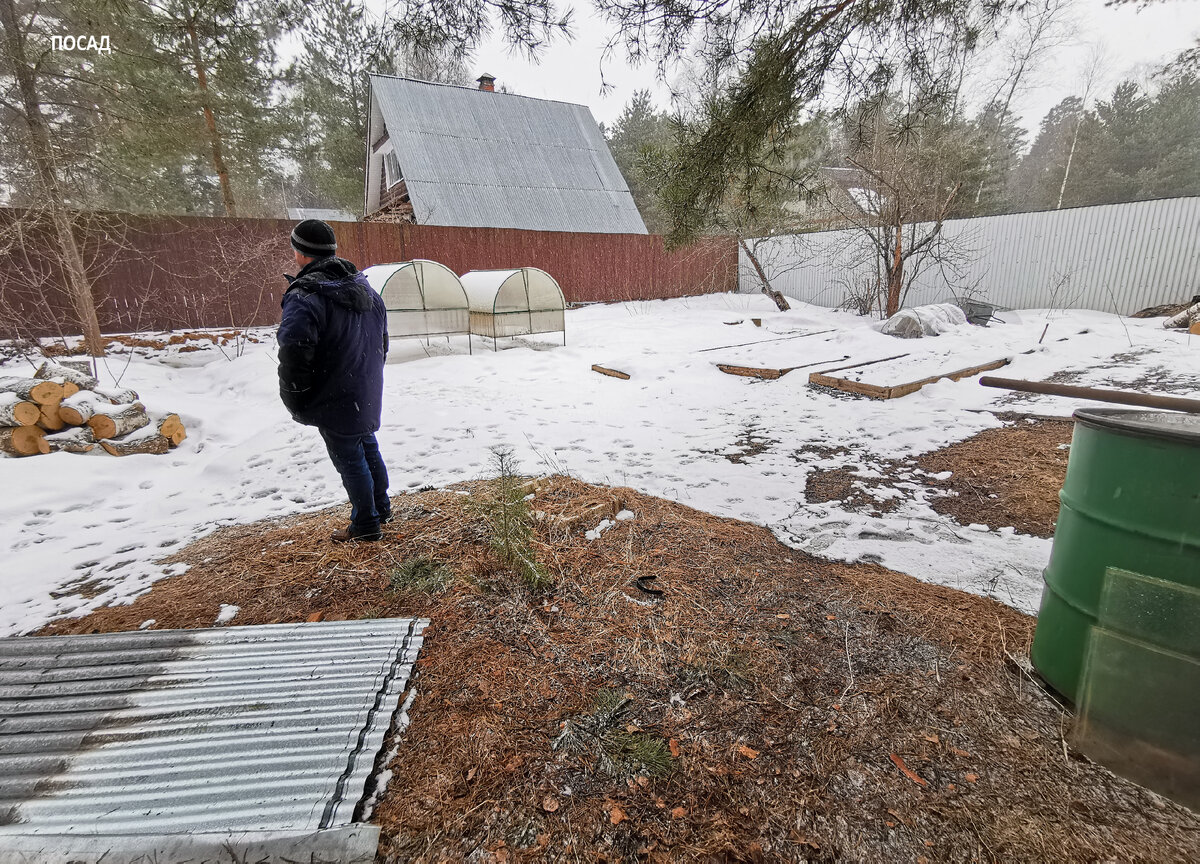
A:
(332, 343)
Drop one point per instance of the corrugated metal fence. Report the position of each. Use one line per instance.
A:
(1117, 257)
(158, 273)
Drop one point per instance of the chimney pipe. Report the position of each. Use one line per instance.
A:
(487, 82)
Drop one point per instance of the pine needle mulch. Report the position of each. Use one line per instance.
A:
(768, 706)
(1008, 476)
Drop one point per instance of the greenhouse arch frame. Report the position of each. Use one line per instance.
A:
(517, 302)
(423, 298)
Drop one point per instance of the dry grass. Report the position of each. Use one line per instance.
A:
(154, 343)
(761, 709)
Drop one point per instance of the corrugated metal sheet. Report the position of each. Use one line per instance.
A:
(240, 729)
(1111, 258)
(481, 159)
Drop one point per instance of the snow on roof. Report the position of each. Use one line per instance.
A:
(484, 159)
(521, 290)
(325, 214)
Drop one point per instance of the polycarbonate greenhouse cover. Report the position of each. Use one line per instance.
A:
(156, 737)
(417, 285)
(526, 289)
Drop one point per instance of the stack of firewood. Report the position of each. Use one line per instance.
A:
(62, 408)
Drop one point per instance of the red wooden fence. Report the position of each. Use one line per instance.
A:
(162, 273)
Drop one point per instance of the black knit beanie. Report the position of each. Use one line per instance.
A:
(314, 238)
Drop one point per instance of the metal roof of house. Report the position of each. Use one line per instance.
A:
(179, 733)
(485, 159)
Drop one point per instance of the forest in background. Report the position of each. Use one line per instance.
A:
(1139, 141)
(248, 107)
(207, 108)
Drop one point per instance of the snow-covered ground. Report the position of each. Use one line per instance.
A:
(95, 524)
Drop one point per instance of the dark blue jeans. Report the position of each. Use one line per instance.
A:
(357, 460)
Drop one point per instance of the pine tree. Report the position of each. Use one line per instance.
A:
(216, 64)
(327, 102)
(1037, 180)
(639, 140)
(1173, 125)
(1003, 141)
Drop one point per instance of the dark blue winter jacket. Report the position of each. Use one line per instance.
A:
(332, 343)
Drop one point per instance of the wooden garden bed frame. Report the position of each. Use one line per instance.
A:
(874, 391)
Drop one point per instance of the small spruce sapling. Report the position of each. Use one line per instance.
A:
(510, 522)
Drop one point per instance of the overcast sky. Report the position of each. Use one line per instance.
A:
(1134, 40)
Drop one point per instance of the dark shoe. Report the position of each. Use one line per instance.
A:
(345, 535)
(386, 517)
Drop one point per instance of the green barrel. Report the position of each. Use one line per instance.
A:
(1131, 501)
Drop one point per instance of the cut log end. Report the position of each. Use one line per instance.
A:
(46, 392)
(50, 418)
(72, 415)
(118, 422)
(169, 425)
(20, 414)
(33, 390)
(102, 426)
(23, 441)
(77, 410)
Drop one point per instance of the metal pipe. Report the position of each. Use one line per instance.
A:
(1120, 397)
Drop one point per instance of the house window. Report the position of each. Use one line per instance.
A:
(391, 169)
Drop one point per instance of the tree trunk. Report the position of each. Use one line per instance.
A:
(117, 397)
(78, 440)
(210, 119)
(896, 274)
(1062, 190)
(143, 444)
(39, 147)
(780, 300)
(122, 420)
(50, 370)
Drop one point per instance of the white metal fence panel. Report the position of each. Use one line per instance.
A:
(1114, 257)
